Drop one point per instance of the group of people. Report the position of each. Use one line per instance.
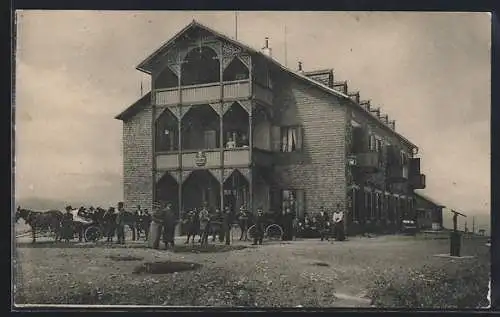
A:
(202, 222)
(112, 221)
(327, 224)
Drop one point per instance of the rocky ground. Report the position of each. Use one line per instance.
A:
(387, 271)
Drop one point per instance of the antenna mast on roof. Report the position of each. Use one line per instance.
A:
(286, 56)
(236, 25)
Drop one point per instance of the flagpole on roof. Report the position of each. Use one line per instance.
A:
(236, 25)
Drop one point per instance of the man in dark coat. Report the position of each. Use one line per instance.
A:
(120, 224)
(287, 223)
(226, 226)
(67, 225)
(324, 224)
(146, 222)
(169, 224)
(243, 222)
(109, 223)
(259, 227)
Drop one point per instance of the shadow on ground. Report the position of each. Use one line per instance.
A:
(166, 267)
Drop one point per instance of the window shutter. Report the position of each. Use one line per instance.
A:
(300, 203)
(275, 138)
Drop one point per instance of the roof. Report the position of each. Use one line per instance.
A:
(319, 72)
(146, 67)
(135, 107)
(427, 198)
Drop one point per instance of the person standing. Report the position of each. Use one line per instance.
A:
(109, 223)
(67, 225)
(146, 222)
(259, 227)
(216, 225)
(120, 224)
(204, 217)
(156, 226)
(243, 222)
(226, 226)
(323, 224)
(169, 226)
(338, 220)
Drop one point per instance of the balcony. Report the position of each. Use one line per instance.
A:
(368, 162)
(418, 181)
(262, 157)
(263, 94)
(203, 159)
(203, 93)
(397, 174)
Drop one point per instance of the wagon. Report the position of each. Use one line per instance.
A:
(92, 231)
(272, 230)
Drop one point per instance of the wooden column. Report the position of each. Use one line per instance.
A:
(221, 124)
(250, 146)
(179, 139)
(153, 141)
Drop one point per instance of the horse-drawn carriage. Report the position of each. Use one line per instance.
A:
(272, 230)
(89, 228)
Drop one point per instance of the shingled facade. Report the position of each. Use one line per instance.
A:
(228, 125)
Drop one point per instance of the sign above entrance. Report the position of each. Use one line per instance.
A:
(200, 159)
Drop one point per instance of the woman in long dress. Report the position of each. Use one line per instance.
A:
(67, 225)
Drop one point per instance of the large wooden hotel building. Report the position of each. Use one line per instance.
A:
(229, 125)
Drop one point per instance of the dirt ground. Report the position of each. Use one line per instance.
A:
(305, 272)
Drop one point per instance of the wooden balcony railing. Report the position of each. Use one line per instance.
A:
(368, 161)
(263, 94)
(237, 157)
(203, 93)
(203, 159)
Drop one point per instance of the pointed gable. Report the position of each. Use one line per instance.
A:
(192, 36)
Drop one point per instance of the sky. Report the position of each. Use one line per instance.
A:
(75, 70)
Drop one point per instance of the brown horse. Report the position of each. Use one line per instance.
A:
(41, 221)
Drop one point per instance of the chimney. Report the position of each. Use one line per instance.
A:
(392, 124)
(266, 50)
(366, 105)
(300, 67)
(376, 112)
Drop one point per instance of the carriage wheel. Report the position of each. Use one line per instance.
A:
(251, 232)
(92, 234)
(274, 232)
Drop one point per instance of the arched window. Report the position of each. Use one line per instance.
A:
(167, 132)
(200, 66)
(236, 70)
(166, 79)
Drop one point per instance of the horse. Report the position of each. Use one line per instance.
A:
(38, 220)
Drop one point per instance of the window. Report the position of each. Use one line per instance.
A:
(210, 139)
(371, 142)
(293, 199)
(291, 139)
